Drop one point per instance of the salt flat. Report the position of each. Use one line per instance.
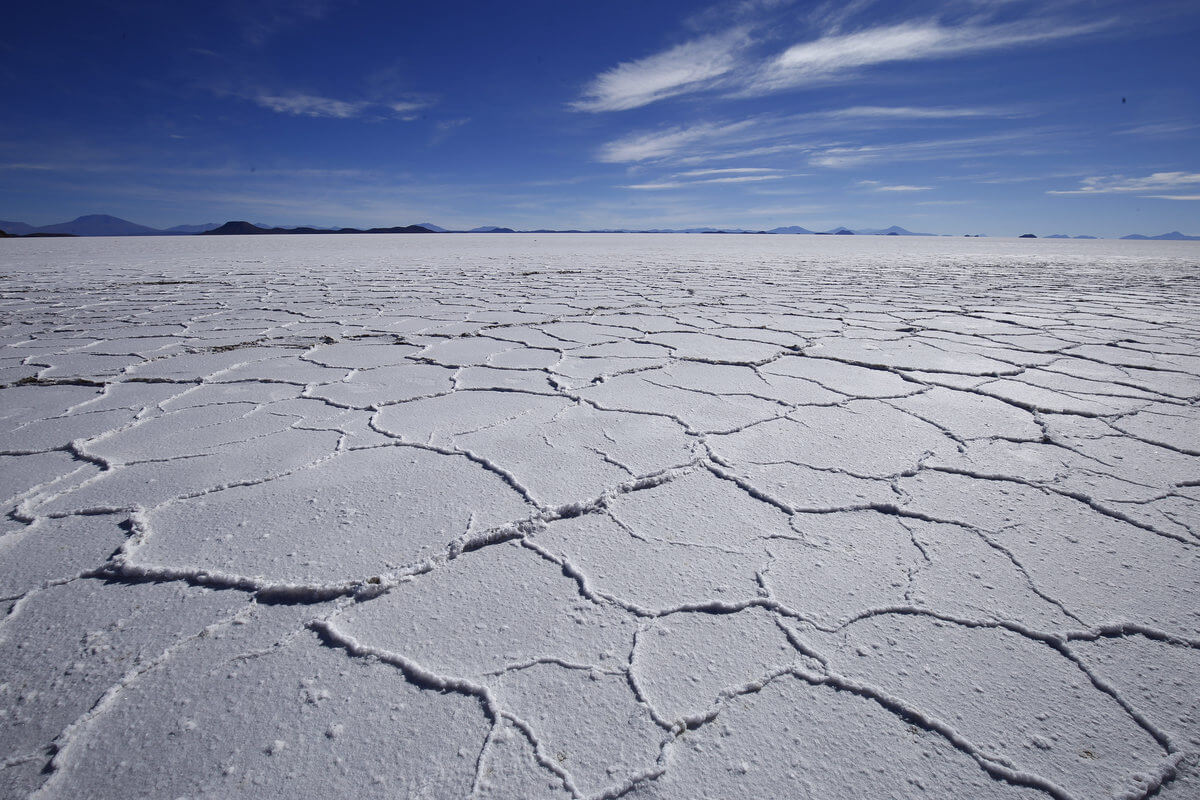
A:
(599, 516)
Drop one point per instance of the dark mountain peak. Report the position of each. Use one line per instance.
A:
(107, 218)
(16, 228)
(201, 228)
(402, 229)
(234, 228)
(99, 225)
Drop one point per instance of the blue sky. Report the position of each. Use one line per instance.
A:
(959, 116)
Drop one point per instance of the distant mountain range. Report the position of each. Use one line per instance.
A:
(1173, 236)
(240, 228)
(100, 225)
(105, 225)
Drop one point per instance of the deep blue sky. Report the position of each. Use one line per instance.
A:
(956, 116)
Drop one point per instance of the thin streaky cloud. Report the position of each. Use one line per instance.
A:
(726, 171)
(835, 57)
(1171, 196)
(1159, 129)
(912, 112)
(902, 188)
(877, 186)
(740, 134)
(742, 179)
(726, 62)
(683, 68)
(308, 105)
(408, 106)
(656, 144)
(680, 184)
(1115, 184)
(932, 149)
(299, 104)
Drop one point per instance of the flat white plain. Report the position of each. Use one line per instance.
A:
(597, 516)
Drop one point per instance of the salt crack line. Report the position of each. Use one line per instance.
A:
(64, 743)
(423, 678)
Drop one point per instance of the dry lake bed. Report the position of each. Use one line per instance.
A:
(595, 516)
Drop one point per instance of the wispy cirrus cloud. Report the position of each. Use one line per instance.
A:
(299, 104)
(743, 62)
(1155, 129)
(879, 186)
(678, 184)
(308, 105)
(916, 113)
(726, 171)
(924, 149)
(837, 57)
(1155, 182)
(667, 141)
(767, 134)
(684, 68)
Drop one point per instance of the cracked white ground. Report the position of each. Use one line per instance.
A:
(599, 516)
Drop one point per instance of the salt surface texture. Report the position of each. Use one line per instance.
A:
(599, 516)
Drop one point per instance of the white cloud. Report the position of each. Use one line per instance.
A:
(924, 150)
(725, 171)
(877, 186)
(684, 68)
(657, 144)
(833, 57)
(308, 105)
(770, 134)
(407, 107)
(680, 184)
(911, 112)
(1158, 181)
(1159, 129)
(1172, 196)
(741, 179)
(725, 61)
